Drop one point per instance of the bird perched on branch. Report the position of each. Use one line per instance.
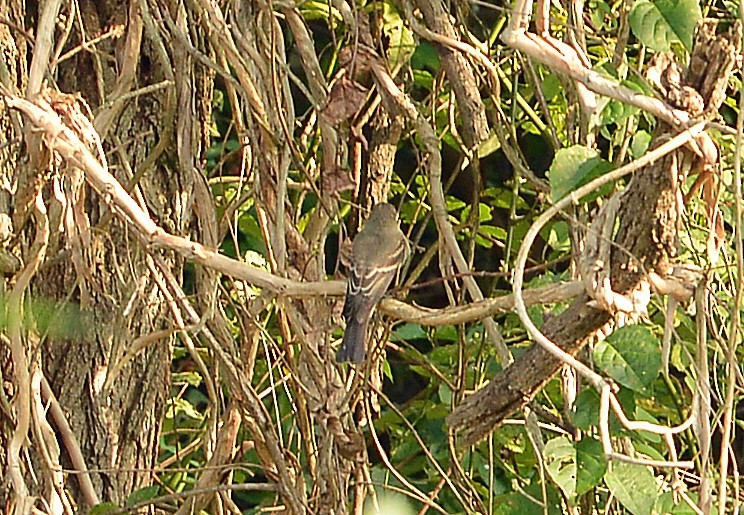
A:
(378, 251)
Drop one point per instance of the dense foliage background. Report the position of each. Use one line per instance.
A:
(180, 185)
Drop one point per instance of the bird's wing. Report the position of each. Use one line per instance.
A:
(365, 288)
(370, 276)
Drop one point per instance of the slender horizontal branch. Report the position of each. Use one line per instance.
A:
(480, 309)
(62, 139)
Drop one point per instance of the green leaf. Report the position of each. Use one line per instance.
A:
(489, 146)
(501, 484)
(551, 86)
(634, 486)
(183, 407)
(639, 144)
(425, 57)
(591, 464)
(446, 332)
(314, 10)
(616, 112)
(559, 237)
(143, 494)
(631, 356)
(445, 394)
(573, 167)
(520, 504)
(484, 213)
(643, 415)
(659, 23)
(423, 79)
(391, 503)
(575, 467)
(387, 371)
(587, 409)
(190, 378)
(602, 15)
(401, 44)
(666, 504)
(104, 508)
(253, 237)
(513, 504)
(483, 242)
(560, 461)
(406, 332)
(503, 198)
(647, 450)
(498, 233)
(454, 204)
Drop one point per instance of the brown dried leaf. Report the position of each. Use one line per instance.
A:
(344, 101)
(358, 60)
(336, 180)
(711, 195)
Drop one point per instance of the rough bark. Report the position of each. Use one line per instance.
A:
(460, 73)
(13, 70)
(102, 269)
(383, 144)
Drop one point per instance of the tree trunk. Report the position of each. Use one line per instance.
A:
(98, 286)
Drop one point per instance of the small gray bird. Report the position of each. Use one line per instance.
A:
(378, 251)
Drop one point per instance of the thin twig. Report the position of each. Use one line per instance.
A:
(241, 487)
(735, 327)
(20, 358)
(72, 446)
(415, 492)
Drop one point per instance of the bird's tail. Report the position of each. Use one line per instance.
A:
(352, 346)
